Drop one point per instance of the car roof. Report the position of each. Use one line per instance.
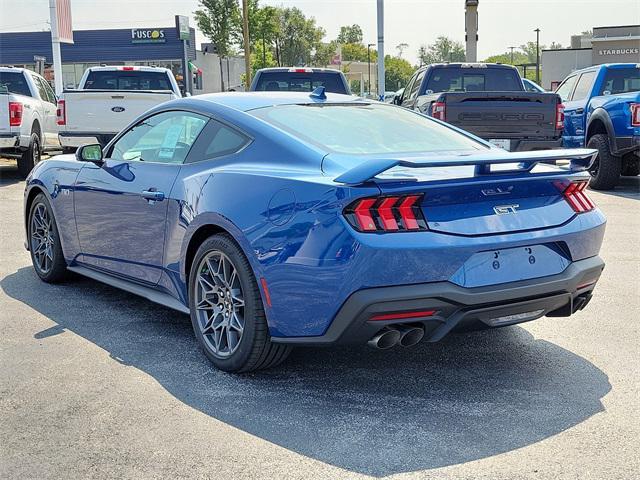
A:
(298, 70)
(478, 65)
(245, 101)
(135, 68)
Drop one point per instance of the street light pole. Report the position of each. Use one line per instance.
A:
(537, 30)
(369, 45)
(511, 48)
(380, 11)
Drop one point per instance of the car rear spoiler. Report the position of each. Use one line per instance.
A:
(579, 160)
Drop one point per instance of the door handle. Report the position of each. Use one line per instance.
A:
(153, 195)
(579, 110)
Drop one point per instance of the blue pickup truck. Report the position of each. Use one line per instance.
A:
(602, 111)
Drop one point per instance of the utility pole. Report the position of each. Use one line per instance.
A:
(247, 52)
(369, 45)
(381, 50)
(471, 30)
(512, 48)
(537, 30)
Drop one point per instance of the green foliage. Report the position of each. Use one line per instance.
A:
(261, 58)
(397, 72)
(505, 58)
(357, 52)
(442, 50)
(529, 49)
(221, 22)
(350, 34)
(324, 53)
(296, 37)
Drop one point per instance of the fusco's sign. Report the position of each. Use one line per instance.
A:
(147, 35)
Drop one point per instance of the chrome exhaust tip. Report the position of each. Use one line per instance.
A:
(410, 335)
(387, 338)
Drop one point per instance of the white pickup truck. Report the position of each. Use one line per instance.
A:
(108, 98)
(27, 117)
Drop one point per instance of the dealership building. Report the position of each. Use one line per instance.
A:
(159, 46)
(619, 44)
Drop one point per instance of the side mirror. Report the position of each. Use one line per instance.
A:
(90, 153)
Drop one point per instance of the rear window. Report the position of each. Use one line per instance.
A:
(127, 80)
(365, 128)
(14, 82)
(474, 80)
(621, 80)
(299, 82)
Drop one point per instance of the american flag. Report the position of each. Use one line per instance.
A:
(63, 14)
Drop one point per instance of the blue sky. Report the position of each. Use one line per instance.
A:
(502, 22)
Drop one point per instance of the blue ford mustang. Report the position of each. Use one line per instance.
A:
(283, 219)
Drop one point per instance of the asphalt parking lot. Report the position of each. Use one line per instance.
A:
(98, 383)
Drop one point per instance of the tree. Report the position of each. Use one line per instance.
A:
(350, 34)
(296, 38)
(401, 47)
(529, 49)
(518, 58)
(324, 53)
(442, 50)
(357, 52)
(263, 27)
(261, 59)
(397, 72)
(220, 21)
(555, 46)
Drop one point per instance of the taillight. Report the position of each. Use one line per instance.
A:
(15, 114)
(61, 113)
(386, 214)
(439, 110)
(575, 196)
(126, 69)
(559, 116)
(635, 114)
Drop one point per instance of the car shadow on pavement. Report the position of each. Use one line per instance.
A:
(9, 174)
(468, 397)
(628, 187)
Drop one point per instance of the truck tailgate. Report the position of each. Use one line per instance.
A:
(503, 114)
(99, 111)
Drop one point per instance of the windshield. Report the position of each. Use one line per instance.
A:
(127, 80)
(300, 82)
(621, 80)
(14, 82)
(449, 79)
(365, 128)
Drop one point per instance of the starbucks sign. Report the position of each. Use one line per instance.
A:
(147, 35)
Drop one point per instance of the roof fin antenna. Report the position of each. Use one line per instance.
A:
(318, 93)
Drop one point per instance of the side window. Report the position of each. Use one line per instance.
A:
(564, 90)
(583, 87)
(217, 140)
(415, 89)
(42, 90)
(162, 138)
(50, 93)
(407, 89)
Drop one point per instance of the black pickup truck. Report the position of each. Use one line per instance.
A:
(488, 100)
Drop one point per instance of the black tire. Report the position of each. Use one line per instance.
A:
(631, 167)
(56, 271)
(606, 170)
(255, 350)
(31, 156)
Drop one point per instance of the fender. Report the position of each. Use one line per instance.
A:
(601, 114)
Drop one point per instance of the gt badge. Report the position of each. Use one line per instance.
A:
(505, 209)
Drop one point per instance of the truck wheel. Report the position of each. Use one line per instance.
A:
(631, 167)
(30, 157)
(605, 172)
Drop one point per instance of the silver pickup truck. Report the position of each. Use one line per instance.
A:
(27, 117)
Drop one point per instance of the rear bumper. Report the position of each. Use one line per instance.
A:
(528, 145)
(78, 139)
(556, 295)
(9, 140)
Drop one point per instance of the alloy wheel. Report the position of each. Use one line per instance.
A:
(219, 304)
(42, 238)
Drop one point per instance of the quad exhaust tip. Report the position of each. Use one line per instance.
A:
(403, 335)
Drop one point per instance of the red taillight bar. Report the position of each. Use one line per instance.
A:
(403, 315)
(15, 114)
(126, 69)
(635, 114)
(386, 214)
(575, 196)
(61, 113)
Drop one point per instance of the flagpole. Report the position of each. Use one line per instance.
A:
(55, 47)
